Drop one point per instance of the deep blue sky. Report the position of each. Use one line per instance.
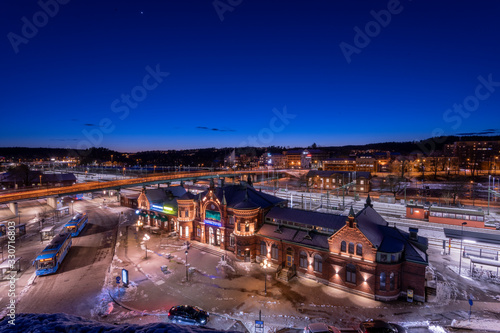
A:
(230, 74)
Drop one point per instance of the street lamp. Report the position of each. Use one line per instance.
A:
(186, 265)
(489, 181)
(145, 239)
(265, 264)
(461, 254)
(72, 207)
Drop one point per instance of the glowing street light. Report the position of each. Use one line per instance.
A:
(145, 239)
(265, 264)
(72, 201)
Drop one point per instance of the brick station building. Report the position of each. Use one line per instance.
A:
(359, 253)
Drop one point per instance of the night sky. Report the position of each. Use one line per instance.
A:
(146, 75)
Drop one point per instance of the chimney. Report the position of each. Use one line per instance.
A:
(414, 234)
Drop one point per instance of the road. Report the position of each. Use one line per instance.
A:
(80, 278)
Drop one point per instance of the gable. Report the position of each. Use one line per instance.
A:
(355, 236)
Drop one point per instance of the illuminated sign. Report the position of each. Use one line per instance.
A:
(125, 276)
(159, 208)
(212, 214)
(216, 224)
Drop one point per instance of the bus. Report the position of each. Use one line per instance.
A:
(52, 256)
(76, 224)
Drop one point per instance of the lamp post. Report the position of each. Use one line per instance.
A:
(489, 180)
(186, 265)
(265, 264)
(461, 242)
(72, 207)
(145, 239)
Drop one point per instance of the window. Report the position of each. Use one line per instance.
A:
(362, 182)
(391, 281)
(302, 259)
(231, 220)
(351, 248)
(318, 263)
(382, 281)
(186, 212)
(351, 273)
(187, 232)
(247, 227)
(274, 251)
(198, 231)
(231, 240)
(263, 248)
(359, 249)
(342, 246)
(328, 180)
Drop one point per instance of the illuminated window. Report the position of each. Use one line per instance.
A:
(359, 249)
(187, 232)
(350, 273)
(247, 227)
(351, 248)
(318, 263)
(391, 281)
(343, 246)
(198, 231)
(303, 259)
(274, 251)
(382, 281)
(263, 248)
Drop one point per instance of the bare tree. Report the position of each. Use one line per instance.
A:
(393, 184)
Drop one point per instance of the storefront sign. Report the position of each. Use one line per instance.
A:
(216, 224)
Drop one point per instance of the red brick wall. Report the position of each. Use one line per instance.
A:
(418, 213)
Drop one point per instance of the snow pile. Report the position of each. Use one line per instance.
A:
(31, 323)
(477, 324)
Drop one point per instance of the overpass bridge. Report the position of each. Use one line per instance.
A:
(52, 193)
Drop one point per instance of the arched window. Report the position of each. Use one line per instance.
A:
(187, 232)
(359, 249)
(318, 263)
(391, 281)
(351, 248)
(274, 251)
(343, 246)
(382, 281)
(350, 273)
(303, 259)
(263, 248)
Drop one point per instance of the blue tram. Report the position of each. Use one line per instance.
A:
(76, 224)
(52, 256)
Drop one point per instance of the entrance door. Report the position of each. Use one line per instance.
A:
(211, 236)
(247, 255)
(289, 257)
(217, 238)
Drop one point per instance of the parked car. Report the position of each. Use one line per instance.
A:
(320, 328)
(380, 326)
(188, 314)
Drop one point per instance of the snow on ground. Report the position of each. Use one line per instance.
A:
(31, 323)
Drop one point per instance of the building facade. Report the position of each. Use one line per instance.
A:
(335, 180)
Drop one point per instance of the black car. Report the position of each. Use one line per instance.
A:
(380, 326)
(188, 314)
